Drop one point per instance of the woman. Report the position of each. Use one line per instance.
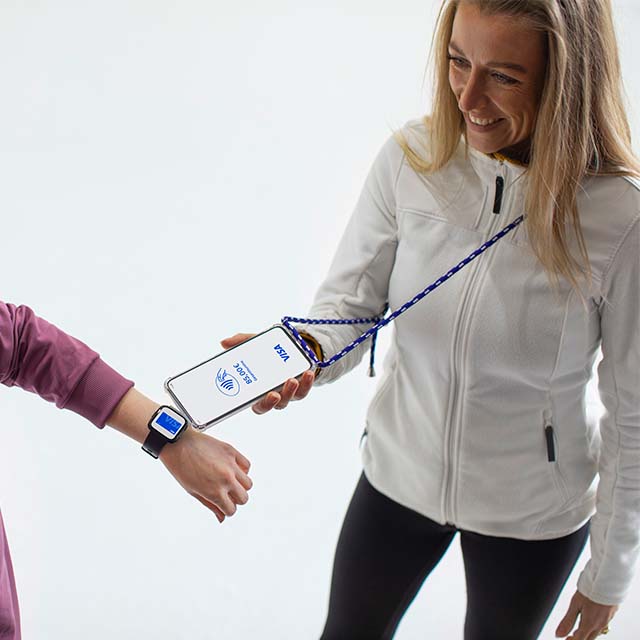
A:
(479, 424)
(39, 357)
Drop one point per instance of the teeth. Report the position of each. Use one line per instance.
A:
(481, 122)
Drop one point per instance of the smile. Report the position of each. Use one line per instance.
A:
(482, 122)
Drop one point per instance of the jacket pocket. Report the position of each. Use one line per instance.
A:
(553, 458)
(384, 385)
(378, 396)
(432, 215)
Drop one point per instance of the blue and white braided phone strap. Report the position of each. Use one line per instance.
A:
(381, 321)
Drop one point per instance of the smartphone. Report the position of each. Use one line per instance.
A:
(234, 379)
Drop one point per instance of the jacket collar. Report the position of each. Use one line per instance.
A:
(487, 167)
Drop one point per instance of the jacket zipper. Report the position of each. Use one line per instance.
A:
(497, 201)
(460, 331)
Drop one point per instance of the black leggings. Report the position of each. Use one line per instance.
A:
(386, 551)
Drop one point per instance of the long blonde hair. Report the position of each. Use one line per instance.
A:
(581, 126)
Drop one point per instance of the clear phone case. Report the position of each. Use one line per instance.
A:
(235, 379)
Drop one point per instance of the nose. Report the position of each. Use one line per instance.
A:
(472, 96)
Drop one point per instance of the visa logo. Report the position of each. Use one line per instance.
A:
(281, 352)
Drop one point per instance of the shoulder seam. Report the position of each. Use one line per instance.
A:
(397, 178)
(614, 255)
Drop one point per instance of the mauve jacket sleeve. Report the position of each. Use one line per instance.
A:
(38, 357)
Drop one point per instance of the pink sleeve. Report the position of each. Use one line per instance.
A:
(38, 357)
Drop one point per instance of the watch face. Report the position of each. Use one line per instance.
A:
(168, 422)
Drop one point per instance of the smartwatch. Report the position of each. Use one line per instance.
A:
(165, 427)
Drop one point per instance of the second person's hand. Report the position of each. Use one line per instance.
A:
(292, 389)
(212, 471)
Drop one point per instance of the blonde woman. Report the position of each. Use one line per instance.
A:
(479, 426)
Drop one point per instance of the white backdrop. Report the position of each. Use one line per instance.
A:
(171, 173)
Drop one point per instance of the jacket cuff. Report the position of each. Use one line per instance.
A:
(315, 347)
(313, 343)
(585, 587)
(98, 392)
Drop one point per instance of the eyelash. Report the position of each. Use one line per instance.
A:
(461, 63)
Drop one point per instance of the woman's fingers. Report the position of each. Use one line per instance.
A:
(568, 622)
(594, 618)
(287, 392)
(235, 340)
(267, 403)
(291, 390)
(304, 385)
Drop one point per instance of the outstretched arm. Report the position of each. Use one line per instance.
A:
(37, 356)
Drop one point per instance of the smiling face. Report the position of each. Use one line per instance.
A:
(496, 71)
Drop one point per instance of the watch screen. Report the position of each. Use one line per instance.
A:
(169, 423)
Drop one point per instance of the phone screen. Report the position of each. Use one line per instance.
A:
(234, 379)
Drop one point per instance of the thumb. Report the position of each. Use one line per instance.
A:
(568, 622)
(236, 339)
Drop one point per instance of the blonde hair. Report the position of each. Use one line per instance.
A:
(581, 126)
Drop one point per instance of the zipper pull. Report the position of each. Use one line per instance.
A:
(497, 202)
(551, 447)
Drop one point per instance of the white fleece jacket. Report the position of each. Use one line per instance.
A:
(479, 419)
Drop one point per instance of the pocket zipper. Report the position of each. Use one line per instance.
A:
(549, 435)
(551, 446)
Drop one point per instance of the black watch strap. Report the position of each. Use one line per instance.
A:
(154, 442)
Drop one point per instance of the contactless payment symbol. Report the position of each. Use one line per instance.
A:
(226, 383)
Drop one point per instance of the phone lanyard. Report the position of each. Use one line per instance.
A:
(380, 321)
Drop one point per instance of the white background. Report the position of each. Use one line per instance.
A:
(171, 173)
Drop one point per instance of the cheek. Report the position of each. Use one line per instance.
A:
(452, 82)
(522, 109)
(529, 113)
(455, 83)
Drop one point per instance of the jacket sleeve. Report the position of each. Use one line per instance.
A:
(358, 279)
(615, 528)
(38, 357)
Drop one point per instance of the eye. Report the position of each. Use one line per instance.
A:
(502, 79)
(459, 63)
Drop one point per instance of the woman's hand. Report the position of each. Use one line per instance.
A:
(594, 618)
(293, 389)
(210, 470)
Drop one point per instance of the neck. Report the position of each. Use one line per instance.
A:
(520, 152)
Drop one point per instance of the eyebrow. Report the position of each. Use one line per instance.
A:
(504, 65)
